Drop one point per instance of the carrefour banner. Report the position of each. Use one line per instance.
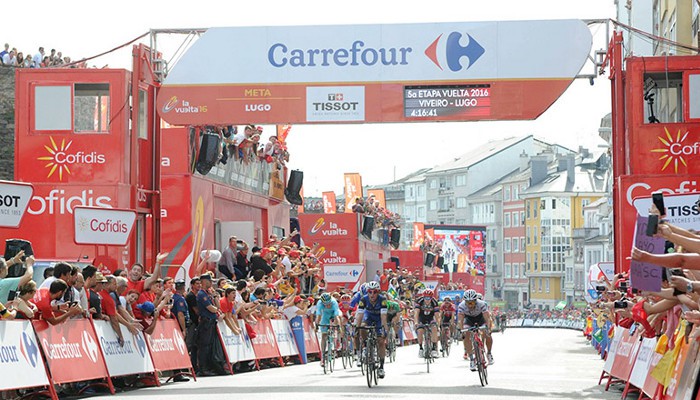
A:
(238, 347)
(343, 273)
(375, 73)
(20, 359)
(130, 358)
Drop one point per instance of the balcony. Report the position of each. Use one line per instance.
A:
(445, 190)
(253, 177)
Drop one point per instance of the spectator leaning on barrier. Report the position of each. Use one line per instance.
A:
(49, 311)
(24, 303)
(228, 308)
(109, 307)
(136, 274)
(12, 284)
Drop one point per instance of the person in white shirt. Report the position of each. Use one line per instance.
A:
(38, 57)
(10, 58)
(293, 306)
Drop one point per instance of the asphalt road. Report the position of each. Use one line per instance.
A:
(529, 363)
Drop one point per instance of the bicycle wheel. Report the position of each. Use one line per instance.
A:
(427, 349)
(331, 355)
(350, 346)
(478, 358)
(369, 364)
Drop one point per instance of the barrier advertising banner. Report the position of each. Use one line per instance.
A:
(237, 347)
(310, 341)
(20, 357)
(265, 343)
(285, 340)
(132, 358)
(297, 324)
(168, 346)
(641, 370)
(610, 359)
(72, 351)
(14, 199)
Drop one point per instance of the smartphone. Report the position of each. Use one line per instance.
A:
(652, 224)
(676, 272)
(11, 296)
(658, 199)
(620, 304)
(600, 289)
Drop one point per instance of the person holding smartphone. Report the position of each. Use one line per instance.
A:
(12, 284)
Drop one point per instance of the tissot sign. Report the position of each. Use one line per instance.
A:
(102, 225)
(454, 71)
(14, 199)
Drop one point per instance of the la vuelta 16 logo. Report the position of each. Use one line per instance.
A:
(61, 159)
(675, 151)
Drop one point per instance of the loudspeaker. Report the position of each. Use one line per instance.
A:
(429, 258)
(395, 238)
(440, 261)
(368, 226)
(291, 192)
(208, 153)
(395, 260)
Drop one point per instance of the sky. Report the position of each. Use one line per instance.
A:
(381, 153)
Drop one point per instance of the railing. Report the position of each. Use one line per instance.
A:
(253, 176)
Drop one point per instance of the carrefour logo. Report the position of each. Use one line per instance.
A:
(455, 51)
(63, 159)
(675, 150)
(90, 347)
(29, 349)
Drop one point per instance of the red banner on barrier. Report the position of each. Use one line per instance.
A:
(72, 351)
(407, 331)
(167, 347)
(265, 343)
(310, 340)
(625, 356)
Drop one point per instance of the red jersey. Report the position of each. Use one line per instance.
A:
(345, 309)
(137, 286)
(448, 309)
(42, 300)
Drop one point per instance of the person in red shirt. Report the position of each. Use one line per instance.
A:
(136, 274)
(228, 307)
(54, 314)
(383, 282)
(109, 307)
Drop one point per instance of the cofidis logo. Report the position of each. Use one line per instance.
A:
(182, 107)
(675, 151)
(62, 158)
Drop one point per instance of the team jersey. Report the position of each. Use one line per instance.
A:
(427, 305)
(393, 307)
(328, 311)
(356, 299)
(480, 308)
(372, 311)
(448, 309)
(346, 309)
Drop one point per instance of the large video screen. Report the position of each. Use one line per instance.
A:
(463, 247)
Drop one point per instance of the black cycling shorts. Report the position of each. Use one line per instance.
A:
(426, 319)
(474, 321)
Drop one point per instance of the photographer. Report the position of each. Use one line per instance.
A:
(8, 285)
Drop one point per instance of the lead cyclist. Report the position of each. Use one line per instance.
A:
(474, 312)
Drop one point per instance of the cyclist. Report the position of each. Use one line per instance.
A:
(503, 321)
(393, 309)
(353, 304)
(327, 313)
(426, 309)
(447, 312)
(474, 312)
(372, 311)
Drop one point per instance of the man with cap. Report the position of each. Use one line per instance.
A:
(149, 312)
(208, 346)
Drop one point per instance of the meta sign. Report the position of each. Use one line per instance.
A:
(14, 199)
(102, 225)
(456, 71)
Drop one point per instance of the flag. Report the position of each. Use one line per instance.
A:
(379, 197)
(329, 206)
(560, 306)
(598, 335)
(353, 189)
(282, 132)
(392, 291)
(418, 228)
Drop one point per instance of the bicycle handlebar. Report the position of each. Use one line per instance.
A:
(475, 328)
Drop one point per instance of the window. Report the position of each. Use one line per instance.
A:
(421, 212)
(507, 271)
(143, 114)
(546, 285)
(515, 192)
(506, 193)
(516, 221)
(506, 220)
(516, 247)
(527, 208)
(506, 245)
(432, 205)
(529, 264)
(433, 183)
(522, 244)
(528, 235)
(522, 217)
(461, 202)
(540, 289)
(535, 234)
(554, 204)
(461, 180)
(91, 107)
(52, 108)
(534, 209)
(543, 204)
(535, 259)
(421, 191)
(410, 192)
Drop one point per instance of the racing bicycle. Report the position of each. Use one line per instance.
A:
(427, 343)
(329, 354)
(445, 340)
(391, 344)
(370, 363)
(479, 350)
(347, 346)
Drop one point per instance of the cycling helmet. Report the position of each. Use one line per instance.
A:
(427, 293)
(326, 298)
(372, 285)
(447, 299)
(479, 296)
(363, 289)
(345, 297)
(470, 295)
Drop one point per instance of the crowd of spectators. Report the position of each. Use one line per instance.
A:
(40, 59)
(248, 146)
(384, 219)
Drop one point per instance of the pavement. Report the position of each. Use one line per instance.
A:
(529, 364)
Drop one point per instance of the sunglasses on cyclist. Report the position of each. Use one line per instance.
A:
(471, 303)
(373, 291)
